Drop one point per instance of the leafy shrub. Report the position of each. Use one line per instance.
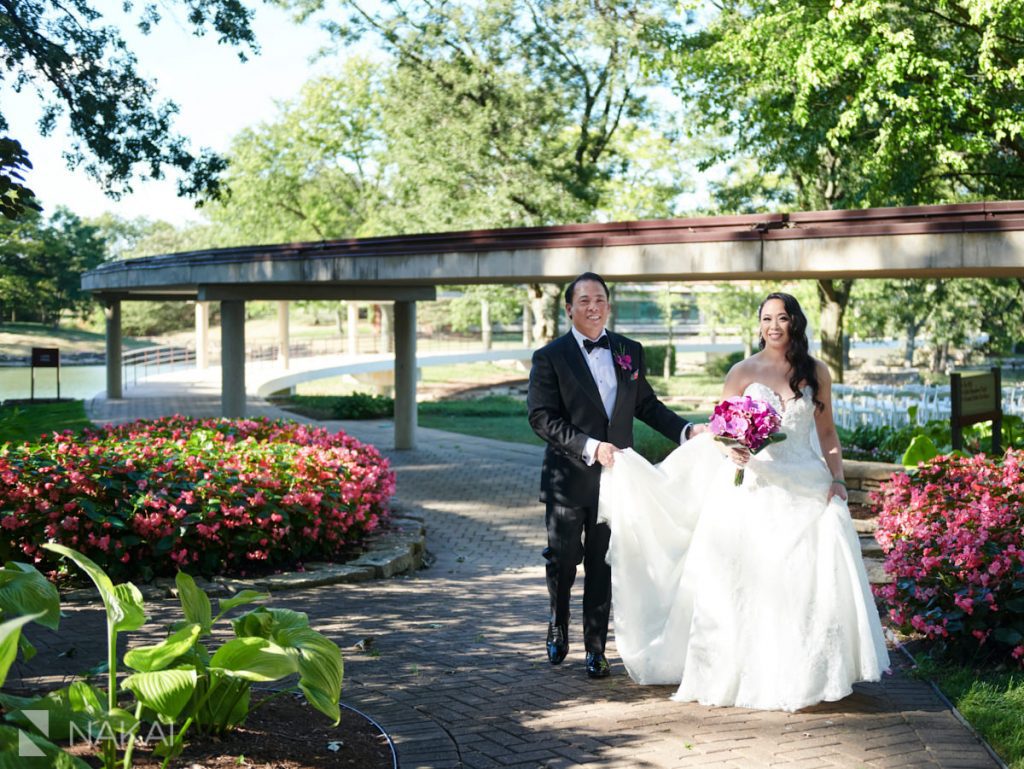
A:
(953, 536)
(864, 443)
(354, 406)
(719, 366)
(26, 596)
(654, 359)
(214, 496)
(488, 406)
(176, 682)
(888, 444)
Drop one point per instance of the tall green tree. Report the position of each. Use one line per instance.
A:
(41, 265)
(316, 171)
(941, 315)
(483, 306)
(517, 102)
(504, 113)
(15, 197)
(80, 67)
(859, 103)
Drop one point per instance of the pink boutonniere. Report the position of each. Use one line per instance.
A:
(625, 362)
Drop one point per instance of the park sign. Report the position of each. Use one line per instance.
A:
(45, 357)
(976, 396)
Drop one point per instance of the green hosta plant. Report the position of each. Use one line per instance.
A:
(26, 596)
(269, 645)
(178, 683)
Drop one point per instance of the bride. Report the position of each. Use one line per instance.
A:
(753, 595)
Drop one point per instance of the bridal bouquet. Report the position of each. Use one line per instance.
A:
(748, 422)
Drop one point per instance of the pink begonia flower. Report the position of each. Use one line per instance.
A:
(953, 536)
(276, 480)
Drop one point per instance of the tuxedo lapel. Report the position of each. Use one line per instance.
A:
(623, 378)
(573, 355)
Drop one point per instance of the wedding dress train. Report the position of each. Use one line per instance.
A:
(754, 595)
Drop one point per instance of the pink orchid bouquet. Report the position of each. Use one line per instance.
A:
(748, 422)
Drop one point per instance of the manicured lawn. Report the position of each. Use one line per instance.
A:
(504, 418)
(992, 700)
(27, 422)
(19, 338)
(497, 416)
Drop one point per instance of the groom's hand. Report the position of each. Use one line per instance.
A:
(606, 454)
(697, 429)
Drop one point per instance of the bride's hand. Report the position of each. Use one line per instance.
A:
(739, 455)
(837, 490)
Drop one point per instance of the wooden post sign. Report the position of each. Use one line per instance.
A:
(976, 397)
(45, 357)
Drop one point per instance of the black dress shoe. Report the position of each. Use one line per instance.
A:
(558, 643)
(597, 665)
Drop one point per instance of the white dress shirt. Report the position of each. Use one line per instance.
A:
(602, 368)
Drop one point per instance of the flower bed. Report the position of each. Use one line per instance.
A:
(953, 535)
(211, 497)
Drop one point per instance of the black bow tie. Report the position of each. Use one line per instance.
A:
(602, 342)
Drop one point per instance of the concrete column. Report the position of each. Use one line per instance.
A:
(527, 335)
(353, 328)
(202, 335)
(486, 331)
(112, 312)
(405, 375)
(232, 358)
(283, 340)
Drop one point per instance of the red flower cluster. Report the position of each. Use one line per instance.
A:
(953, 535)
(213, 496)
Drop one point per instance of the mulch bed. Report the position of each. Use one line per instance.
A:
(286, 734)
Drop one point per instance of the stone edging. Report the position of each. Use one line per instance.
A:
(862, 478)
(398, 549)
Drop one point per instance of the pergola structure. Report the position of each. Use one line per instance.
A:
(969, 240)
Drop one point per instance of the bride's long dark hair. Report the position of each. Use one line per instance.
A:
(801, 364)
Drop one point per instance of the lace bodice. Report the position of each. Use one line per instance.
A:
(801, 445)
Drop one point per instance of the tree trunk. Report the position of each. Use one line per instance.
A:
(387, 315)
(339, 318)
(834, 296)
(940, 356)
(544, 303)
(910, 346)
(485, 323)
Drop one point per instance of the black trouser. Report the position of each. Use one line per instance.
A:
(575, 537)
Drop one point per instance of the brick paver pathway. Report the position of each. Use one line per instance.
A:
(456, 671)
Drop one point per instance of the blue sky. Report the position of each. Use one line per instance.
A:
(217, 96)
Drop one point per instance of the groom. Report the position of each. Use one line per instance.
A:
(585, 389)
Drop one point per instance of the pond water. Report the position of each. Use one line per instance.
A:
(80, 382)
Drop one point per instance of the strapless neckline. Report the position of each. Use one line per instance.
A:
(779, 401)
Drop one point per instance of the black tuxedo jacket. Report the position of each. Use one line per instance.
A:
(565, 409)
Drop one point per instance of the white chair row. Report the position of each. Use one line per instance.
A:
(889, 405)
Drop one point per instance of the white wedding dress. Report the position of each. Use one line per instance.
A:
(754, 596)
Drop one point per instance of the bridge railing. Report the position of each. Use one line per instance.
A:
(139, 364)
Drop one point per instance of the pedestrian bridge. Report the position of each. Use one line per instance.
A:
(325, 367)
(970, 240)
